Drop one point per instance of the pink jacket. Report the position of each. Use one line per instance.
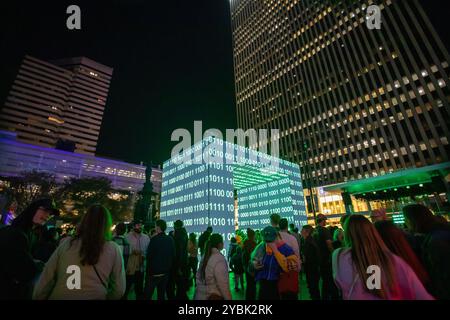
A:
(352, 288)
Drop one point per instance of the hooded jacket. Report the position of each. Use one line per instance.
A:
(17, 266)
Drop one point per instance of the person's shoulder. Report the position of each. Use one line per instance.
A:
(342, 253)
(112, 245)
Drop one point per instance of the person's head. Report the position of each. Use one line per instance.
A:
(233, 240)
(275, 220)
(209, 229)
(283, 224)
(120, 229)
(396, 241)
(215, 241)
(338, 235)
(36, 214)
(193, 237)
(343, 219)
(321, 220)
(250, 234)
(270, 234)
(292, 227)
(295, 230)
(160, 226)
(94, 231)
(177, 225)
(378, 215)
(137, 226)
(418, 218)
(307, 230)
(368, 249)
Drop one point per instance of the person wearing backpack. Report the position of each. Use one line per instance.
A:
(270, 258)
(365, 250)
(88, 266)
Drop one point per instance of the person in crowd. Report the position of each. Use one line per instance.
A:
(378, 215)
(213, 281)
(160, 259)
(203, 238)
(136, 261)
(193, 255)
(180, 266)
(122, 242)
(338, 238)
(324, 241)
(289, 239)
(275, 221)
(258, 237)
(396, 242)
(435, 247)
(99, 261)
(248, 247)
(311, 262)
(237, 267)
(17, 241)
(365, 250)
(46, 245)
(294, 231)
(270, 259)
(232, 248)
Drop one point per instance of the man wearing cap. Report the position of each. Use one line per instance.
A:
(324, 240)
(378, 215)
(278, 257)
(136, 261)
(19, 269)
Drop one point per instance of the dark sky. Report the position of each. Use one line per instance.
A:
(172, 63)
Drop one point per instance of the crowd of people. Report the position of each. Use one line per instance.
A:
(363, 260)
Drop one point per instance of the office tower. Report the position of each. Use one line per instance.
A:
(351, 102)
(58, 103)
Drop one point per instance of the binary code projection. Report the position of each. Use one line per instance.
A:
(205, 193)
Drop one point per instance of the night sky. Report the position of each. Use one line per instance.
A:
(172, 63)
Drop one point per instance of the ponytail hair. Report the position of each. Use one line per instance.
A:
(213, 242)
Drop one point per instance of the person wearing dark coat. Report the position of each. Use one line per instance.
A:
(181, 265)
(204, 237)
(18, 268)
(160, 258)
(46, 245)
(434, 238)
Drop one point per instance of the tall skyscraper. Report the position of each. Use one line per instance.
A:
(351, 102)
(56, 101)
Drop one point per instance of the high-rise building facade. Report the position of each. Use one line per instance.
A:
(55, 101)
(351, 102)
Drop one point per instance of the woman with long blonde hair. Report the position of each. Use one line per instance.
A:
(367, 270)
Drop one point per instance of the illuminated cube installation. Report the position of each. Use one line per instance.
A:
(200, 185)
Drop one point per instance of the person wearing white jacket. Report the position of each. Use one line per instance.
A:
(213, 281)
